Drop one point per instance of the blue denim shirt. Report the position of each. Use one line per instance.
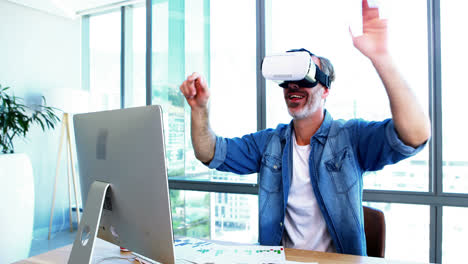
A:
(341, 152)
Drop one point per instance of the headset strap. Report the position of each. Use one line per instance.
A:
(321, 77)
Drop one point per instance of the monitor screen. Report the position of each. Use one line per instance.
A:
(125, 148)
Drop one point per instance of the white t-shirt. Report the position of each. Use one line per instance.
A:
(304, 223)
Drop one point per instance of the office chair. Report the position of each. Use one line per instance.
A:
(374, 227)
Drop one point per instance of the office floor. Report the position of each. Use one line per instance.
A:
(40, 244)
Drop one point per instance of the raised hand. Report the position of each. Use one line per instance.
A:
(373, 42)
(195, 90)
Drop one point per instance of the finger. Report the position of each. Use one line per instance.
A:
(202, 82)
(188, 90)
(205, 83)
(351, 32)
(369, 12)
(191, 90)
(200, 85)
(193, 76)
(183, 90)
(188, 85)
(365, 4)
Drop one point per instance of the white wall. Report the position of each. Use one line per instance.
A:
(40, 55)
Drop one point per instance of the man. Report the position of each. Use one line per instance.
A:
(310, 193)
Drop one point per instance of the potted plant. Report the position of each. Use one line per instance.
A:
(16, 174)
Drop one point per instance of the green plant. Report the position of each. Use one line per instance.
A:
(16, 118)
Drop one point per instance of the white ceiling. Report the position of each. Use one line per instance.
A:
(65, 8)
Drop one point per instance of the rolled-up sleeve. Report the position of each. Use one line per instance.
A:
(378, 144)
(398, 145)
(220, 153)
(240, 155)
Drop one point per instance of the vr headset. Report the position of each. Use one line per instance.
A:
(294, 66)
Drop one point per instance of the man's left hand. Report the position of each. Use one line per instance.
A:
(373, 42)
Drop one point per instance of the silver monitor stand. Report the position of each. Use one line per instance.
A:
(83, 246)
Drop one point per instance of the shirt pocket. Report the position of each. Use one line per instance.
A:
(270, 173)
(342, 170)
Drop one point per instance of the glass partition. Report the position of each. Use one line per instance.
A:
(454, 54)
(199, 36)
(104, 57)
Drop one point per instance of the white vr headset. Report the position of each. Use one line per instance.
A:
(294, 66)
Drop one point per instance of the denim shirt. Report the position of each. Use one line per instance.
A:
(341, 151)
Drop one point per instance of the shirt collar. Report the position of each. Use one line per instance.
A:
(322, 132)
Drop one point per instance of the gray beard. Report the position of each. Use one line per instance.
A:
(307, 111)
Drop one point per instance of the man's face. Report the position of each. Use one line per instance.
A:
(303, 102)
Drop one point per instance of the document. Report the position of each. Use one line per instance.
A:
(191, 250)
(295, 262)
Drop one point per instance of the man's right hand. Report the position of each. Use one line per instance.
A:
(195, 90)
(197, 94)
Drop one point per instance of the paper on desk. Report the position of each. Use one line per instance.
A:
(193, 250)
(295, 262)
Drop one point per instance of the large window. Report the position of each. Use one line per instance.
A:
(455, 160)
(407, 231)
(117, 58)
(104, 61)
(216, 216)
(357, 91)
(454, 230)
(191, 36)
(135, 62)
(424, 198)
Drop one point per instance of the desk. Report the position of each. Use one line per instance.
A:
(104, 249)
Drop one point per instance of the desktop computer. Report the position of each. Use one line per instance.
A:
(123, 176)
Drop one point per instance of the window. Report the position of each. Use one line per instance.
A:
(104, 58)
(200, 36)
(454, 229)
(135, 68)
(191, 213)
(357, 91)
(455, 160)
(116, 54)
(407, 231)
(190, 36)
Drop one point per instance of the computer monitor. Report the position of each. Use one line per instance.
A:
(123, 150)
